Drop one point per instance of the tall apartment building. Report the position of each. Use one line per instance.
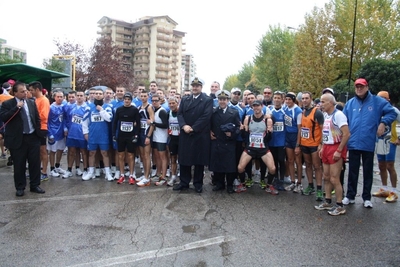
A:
(11, 51)
(188, 70)
(151, 47)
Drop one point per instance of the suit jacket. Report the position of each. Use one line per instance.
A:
(223, 149)
(194, 148)
(14, 129)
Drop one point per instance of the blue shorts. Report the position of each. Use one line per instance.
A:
(76, 143)
(291, 140)
(92, 147)
(389, 157)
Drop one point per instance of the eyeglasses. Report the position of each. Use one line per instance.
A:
(279, 93)
(153, 100)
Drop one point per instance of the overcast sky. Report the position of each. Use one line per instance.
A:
(221, 35)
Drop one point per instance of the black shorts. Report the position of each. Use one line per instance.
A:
(126, 143)
(256, 153)
(159, 146)
(309, 149)
(173, 145)
(43, 134)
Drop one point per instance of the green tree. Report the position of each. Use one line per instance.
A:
(54, 65)
(382, 75)
(275, 51)
(6, 59)
(247, 78)
(231, 82)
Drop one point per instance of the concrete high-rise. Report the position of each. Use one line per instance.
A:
(151, 48)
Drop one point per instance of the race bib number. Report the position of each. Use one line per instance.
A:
(305, 133)
(256, 138)
(143, 123)
(288, 121)
(126, 126)
(278, 126)
(325, 136)
(77, 119)
(174, 129)
(96, 117)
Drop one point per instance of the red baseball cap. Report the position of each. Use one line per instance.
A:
(361, 81)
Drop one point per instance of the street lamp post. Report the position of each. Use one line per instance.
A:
(352, 43)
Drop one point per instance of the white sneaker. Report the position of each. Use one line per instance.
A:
(78, 172)
(347, 201)
(168, 173)
(109, 177)
(67, 174)
(97, 172)
(60, 171)
(287, 180)
(172, 180)
(113, 169)
(138, 179)
(368, 204)
(153, 172)
(87, 176)
(127, 173)
(143, 182)
(117, 175)
(54, 173)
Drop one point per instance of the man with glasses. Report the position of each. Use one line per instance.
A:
(267, 96)
(368, 115)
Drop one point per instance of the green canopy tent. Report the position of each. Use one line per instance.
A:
(25, 73)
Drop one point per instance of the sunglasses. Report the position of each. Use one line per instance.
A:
(155, 100)
(267, 93)
(236, 93)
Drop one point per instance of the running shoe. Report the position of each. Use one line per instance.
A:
(161, 182)
(117, 175)
(308, 191)
(249, 183)
(271, 189)
(132, 179)
(44, 177)
(60, 170)
(337, 210)
(298, 189)
(109, 177)
(263, 185)
(290, 187)
(381, 193)
(143, 182)
(347, 201)
(138, 179)
(155, 178)
(54, 173)
(392, 197)
(121, 179)
(87, 176)
(78, 172)
(97, 172)
(67, 174)
(368, 204)
(324, 206)
(172, 180)
(319, 196)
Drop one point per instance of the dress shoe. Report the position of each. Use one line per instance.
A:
(229, 189)
(179, 187)
(19, 193)
(198, 189)
(37, 189)
(218, 188)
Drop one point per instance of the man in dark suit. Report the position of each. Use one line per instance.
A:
(194, 117)
(22, 137)
(224, 130)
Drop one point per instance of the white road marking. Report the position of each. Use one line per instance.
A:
(157, 253)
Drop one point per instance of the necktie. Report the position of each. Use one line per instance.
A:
(25, 119)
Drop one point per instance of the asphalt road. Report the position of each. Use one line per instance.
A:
(100, 223)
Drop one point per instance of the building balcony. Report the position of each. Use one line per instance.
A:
(141, 61)
(162, 68)
(164, 30)
(161, 76)
(174, 80)
(143, 30)
(142, 38)
(163, 60)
